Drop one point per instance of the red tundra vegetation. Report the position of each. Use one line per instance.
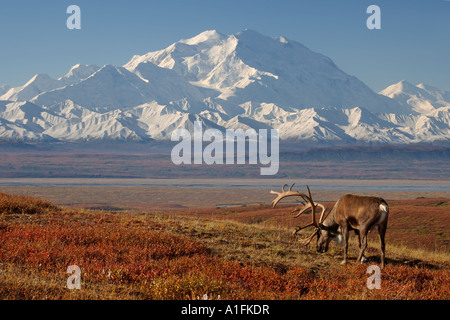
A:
(228, 253)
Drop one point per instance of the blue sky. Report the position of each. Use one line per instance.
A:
(413, 43)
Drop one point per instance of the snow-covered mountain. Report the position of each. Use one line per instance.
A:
(252, 67)
(246, 80)
(421, 98)
(43, 83)
(4, 89)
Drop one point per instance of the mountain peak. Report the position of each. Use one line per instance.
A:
(205, 36)
(421, 98)
(399, 88)
(427, 87)
(252, 35)
(405, 84)
(4, 88)
(79, 67)
(79, 72)
(38, 77)
(38, 83)
(249, 65)
(75, 67)
(109, 69)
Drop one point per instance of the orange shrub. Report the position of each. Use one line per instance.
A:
(16, 204)
(143, 258)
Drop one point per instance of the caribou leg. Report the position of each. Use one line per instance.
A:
(363, 244)
(345, 237)
(382, 233)
(364, 258)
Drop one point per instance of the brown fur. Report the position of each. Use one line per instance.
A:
(359, 213)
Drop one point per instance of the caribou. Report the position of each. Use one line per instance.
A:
(351, 212)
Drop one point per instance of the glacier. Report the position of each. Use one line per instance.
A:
(244, 80)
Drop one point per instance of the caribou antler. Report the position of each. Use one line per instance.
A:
(308, 205)
(284, 194)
